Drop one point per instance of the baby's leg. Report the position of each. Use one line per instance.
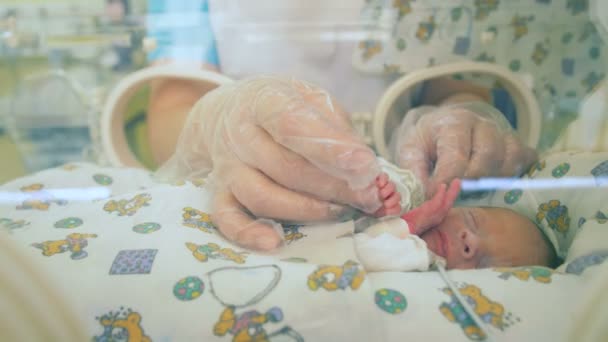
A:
(389, 196)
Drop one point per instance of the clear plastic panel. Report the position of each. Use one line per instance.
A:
(214, 147)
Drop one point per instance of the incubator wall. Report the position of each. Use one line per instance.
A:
(78, 51)
(57, 60)
(79, 146)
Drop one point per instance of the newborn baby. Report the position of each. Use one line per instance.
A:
(463, 238)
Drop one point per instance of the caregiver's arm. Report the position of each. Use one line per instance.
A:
(171, 100)
(446, 90)
(190, 43)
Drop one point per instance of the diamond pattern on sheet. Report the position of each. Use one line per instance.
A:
(133, 261)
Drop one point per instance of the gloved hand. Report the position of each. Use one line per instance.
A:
(467, 140)
(277, 149)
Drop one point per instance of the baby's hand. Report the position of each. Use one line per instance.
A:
(389, 196)
(433, 211)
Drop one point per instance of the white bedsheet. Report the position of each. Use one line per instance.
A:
(144, 262)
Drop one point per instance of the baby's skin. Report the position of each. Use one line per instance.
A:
(470, 237)
(419, 219)
(389, 196)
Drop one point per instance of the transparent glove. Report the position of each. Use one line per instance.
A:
(277, 149)
(465, 140)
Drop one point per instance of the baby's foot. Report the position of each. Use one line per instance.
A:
(390, 197)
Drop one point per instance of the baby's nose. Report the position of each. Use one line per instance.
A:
(469, 244)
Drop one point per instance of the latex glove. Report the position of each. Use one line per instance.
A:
(469, 140)
(433, 211)
(280, 149)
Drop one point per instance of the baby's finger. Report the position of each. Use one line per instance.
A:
(236, 225)
(432, 212)
(264, 198)
(451, 195)
(427, 214)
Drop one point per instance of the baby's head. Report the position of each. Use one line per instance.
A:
(488, 237)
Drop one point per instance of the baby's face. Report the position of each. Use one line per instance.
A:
(487, 237)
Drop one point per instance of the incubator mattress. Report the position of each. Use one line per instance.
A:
(141, 261)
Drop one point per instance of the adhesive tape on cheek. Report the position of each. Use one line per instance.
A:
(394, 226)
(113, 138)
(528, 111)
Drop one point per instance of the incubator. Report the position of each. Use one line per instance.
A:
(58, 60)
(123, 217)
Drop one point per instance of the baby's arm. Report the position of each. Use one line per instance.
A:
(427, 213)
(419, 219)
(433, 211)
(446, 90)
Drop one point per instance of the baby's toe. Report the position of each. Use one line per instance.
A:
(382, 180)
(393, 200)
(387, 191)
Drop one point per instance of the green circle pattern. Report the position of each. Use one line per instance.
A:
(146, 227)
(102, 179)
(188, 288)
(560, 170)
(390, 301)
(512, 196)
(68, 223)
(515, 65)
